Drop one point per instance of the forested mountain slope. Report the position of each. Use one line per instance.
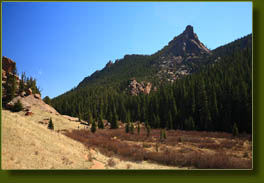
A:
(173, 58)
(196, 88)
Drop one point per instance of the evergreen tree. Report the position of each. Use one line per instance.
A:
(174, 113)
(127, 127)
(164, 134)
(131, 128)
(100, 122)
(189, 124)
(93, 128)
(148, 128)
(193, 104)
(138, 128)
(109, 116)
(79, 113)
(10, 86)
(114, 122)
(161, 135)
(157, 122)
(235, 130)
(123, 112)
(204, 113)
(22, 82)
(32, 83)
(50, 125)
(128, 117)
(47, 100)
(90, 117)
(169, 122)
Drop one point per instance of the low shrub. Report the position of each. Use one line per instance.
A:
(111, 162)
(17, 106)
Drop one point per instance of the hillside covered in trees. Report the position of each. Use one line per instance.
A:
(207, 90)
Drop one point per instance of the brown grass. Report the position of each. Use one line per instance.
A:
(139, 147)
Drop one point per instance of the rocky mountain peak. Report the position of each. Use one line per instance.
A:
(183, 49)
(186, 43)
(189, 32)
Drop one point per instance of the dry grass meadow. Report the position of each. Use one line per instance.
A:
(190, 149)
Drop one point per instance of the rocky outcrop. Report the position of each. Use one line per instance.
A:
(30, 102)
(8, 67)
(22, 94)
(29, 91)
(137, 88)
(37, 96)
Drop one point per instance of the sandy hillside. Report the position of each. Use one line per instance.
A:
(27, 143)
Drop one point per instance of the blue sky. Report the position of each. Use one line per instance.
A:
(60, 43)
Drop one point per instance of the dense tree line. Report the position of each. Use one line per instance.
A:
(216, 98)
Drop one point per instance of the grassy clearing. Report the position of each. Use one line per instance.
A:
(181, 148)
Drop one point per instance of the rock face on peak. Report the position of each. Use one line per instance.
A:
(176, 57)
(186, 43)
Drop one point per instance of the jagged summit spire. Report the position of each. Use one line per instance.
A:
(186, 43)
(189, 28)
(189, 32)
